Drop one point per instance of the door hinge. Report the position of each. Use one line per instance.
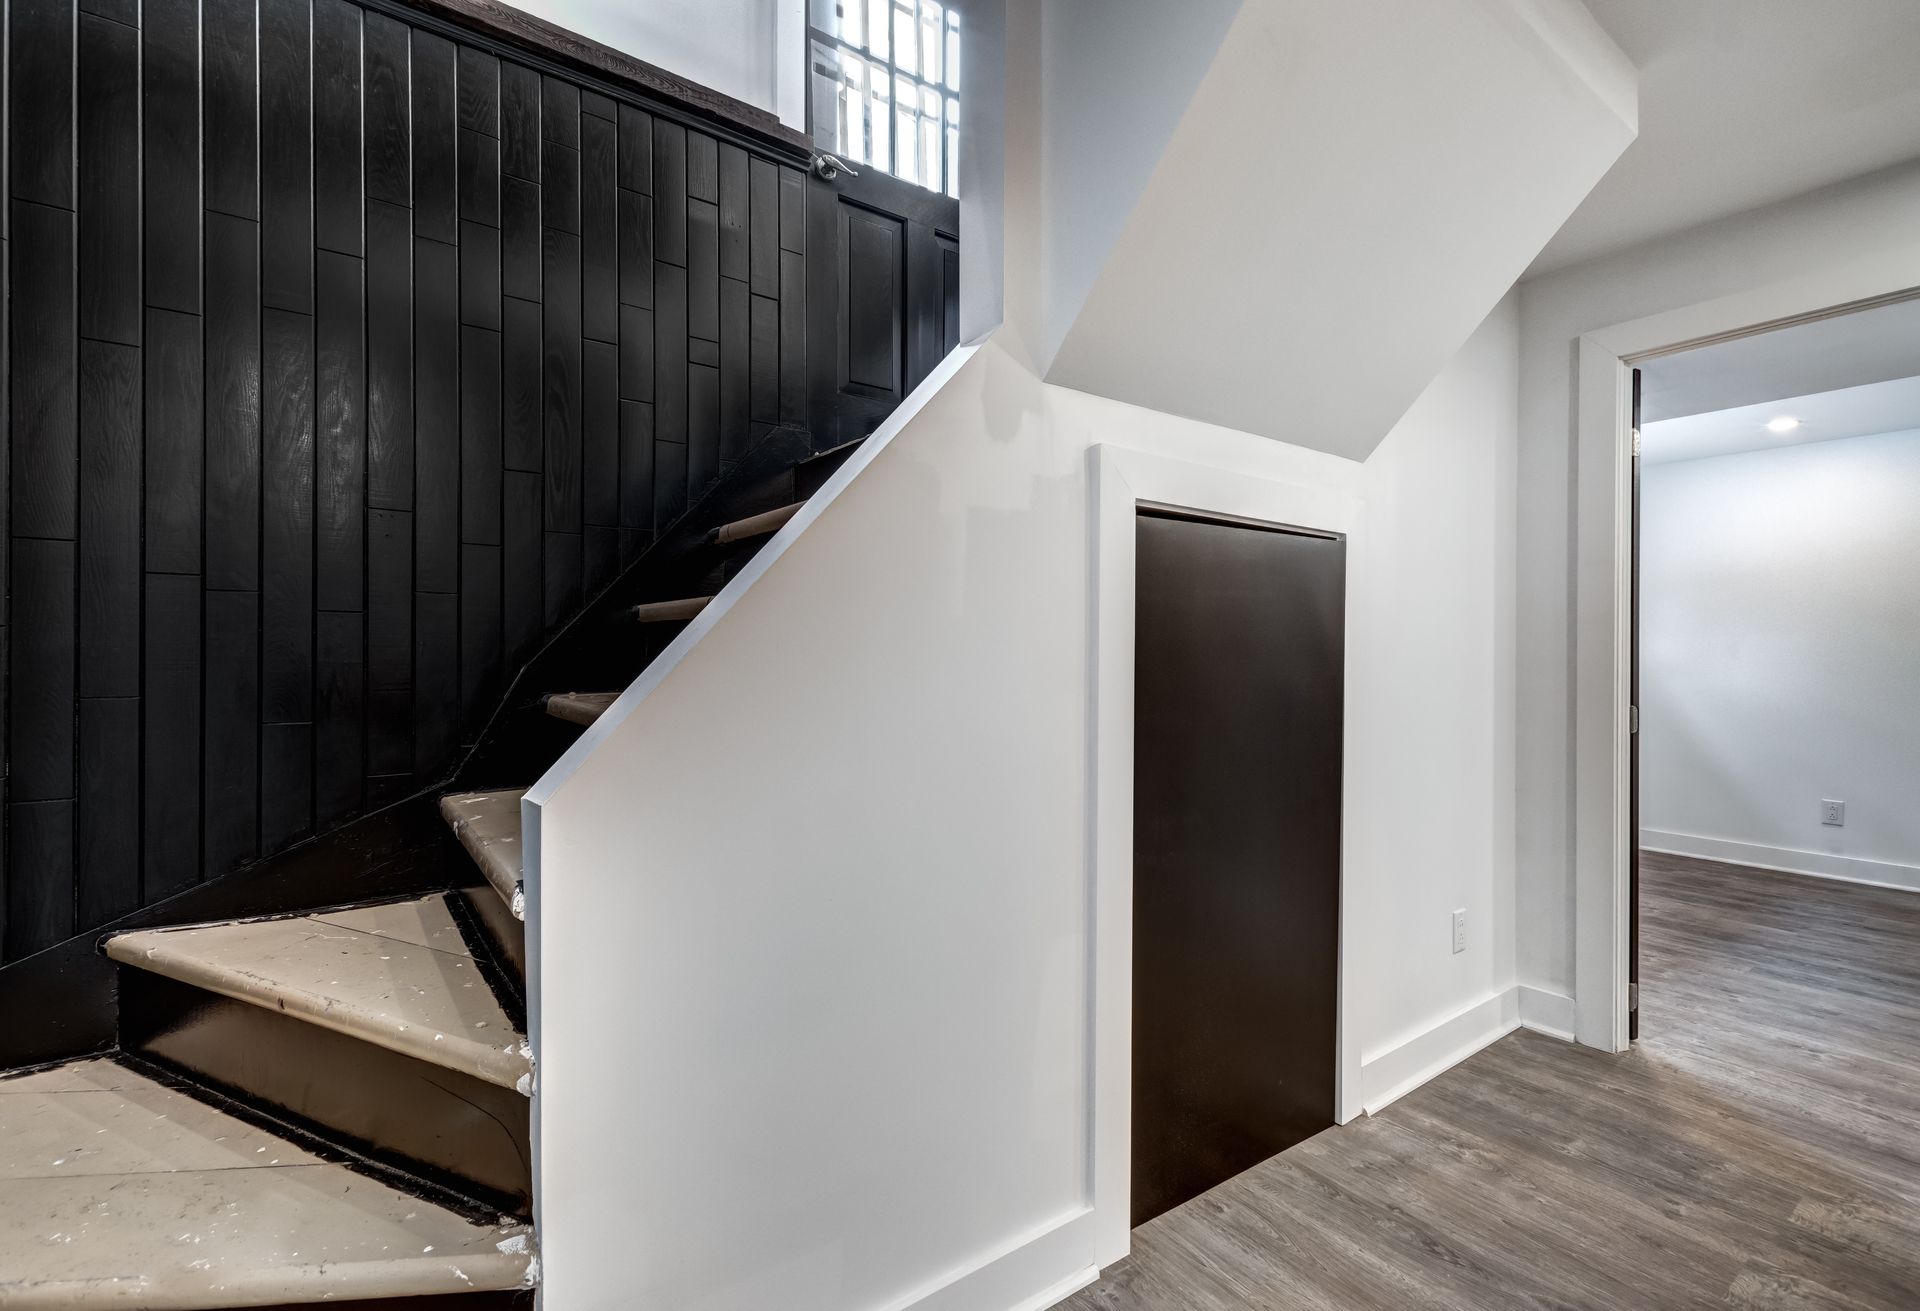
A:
(1633, 996)
(1633, 719)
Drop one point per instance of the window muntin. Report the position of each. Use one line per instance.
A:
(886, 87)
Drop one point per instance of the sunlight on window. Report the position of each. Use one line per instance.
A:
(886, 82)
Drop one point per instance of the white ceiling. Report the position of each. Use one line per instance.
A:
(1826, 416)
(1824, 355)
(1744, 103)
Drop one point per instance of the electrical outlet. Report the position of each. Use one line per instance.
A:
(1459, 931)
(1833, 812)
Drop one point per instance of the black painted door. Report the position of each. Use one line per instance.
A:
(1237, 760)
(883, 297)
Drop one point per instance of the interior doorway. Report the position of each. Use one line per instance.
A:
(1238, 710)
(1773, 667)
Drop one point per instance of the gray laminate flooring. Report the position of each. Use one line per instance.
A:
(1759, 1148)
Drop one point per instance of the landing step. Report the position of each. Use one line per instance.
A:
(123, 1191)
(662, 612)
(758, 525)
(398, 975)
(488, 826)
(580, 708)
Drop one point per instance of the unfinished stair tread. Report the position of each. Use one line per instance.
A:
(123, 1191)
(662, 612)
(398, 975)
(488, 826)
(757, 525)
(580, 708)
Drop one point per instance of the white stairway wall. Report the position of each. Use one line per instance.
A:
(1779, 634)
(810, 910)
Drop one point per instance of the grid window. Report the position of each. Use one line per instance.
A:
(886, 87)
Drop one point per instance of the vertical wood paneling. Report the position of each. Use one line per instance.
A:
(389, 276)
(436, 680)
(389, 95)
(40, 43)
(435, 125)
(389, 647)
(480, 460)
(40, 907)
(339, 742)
(340, 451)
(338, 210)
(436, 417)
(174, 442)
(600, 429)
(44, 412)
(735, 210)
(520, 122)
(40, 689)
(107, 860)
(599, 245)
(231, 748)
(354, 359)
(286, 155)
(286, 518)
(669, 192)
(482, 645)
(109, 211)
(169, 150)
(232, 411)
(170, 719)
(231, 142)
(109, 544)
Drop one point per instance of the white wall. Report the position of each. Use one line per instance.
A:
(1862, 224)
(810, 905)
(1780, 656)
(752, 50)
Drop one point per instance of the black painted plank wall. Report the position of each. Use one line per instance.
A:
(346, 356)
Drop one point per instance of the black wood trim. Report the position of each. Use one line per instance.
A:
(554, 49)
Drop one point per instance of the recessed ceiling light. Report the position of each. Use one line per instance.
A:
(1785, 423)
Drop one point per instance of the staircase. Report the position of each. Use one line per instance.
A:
(332, 1104)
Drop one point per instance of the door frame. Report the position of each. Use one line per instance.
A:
(1123, 481)
(1603, 576)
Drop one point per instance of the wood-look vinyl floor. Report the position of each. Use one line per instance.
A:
(1759, 1148)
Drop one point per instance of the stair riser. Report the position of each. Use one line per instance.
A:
(448, 1128)
(505, 934)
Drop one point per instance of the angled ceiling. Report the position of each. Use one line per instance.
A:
(1877, 407)
(1744, 103)
(1348, 191)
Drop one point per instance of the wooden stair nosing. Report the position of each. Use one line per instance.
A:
(757, 525)
(389, 991)
(488, 826)
(581, 708)
(663, 612)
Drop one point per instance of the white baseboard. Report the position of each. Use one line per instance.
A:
(1029, 1271)
(1394, 1071)
(1390, 1074)
(1551, 1013)
(1785, 860)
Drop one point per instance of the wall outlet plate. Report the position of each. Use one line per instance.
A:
(1459, 931)
(1834, 813)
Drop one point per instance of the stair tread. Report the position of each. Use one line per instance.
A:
(580, 708)
(488, 826)
(757, 525)
(397, 975)
(123, 1191)
(654, 612)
